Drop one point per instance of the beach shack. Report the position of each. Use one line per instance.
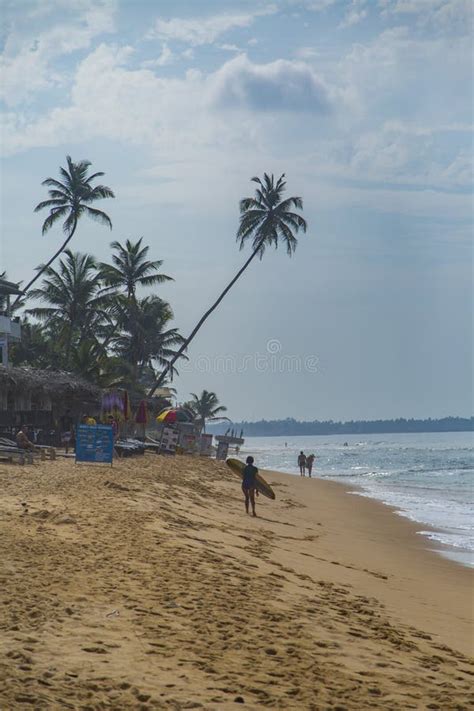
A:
(40, 397)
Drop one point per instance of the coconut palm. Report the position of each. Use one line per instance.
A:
(146, 338)
(206, 407)
(35, 347)
(69, 199)
(131, 268)
(74, 306)
(265, 220)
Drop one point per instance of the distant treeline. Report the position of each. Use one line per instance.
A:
(288, 427)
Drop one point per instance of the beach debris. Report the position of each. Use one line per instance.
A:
(172, 603)
(114, 613)
(239, 700)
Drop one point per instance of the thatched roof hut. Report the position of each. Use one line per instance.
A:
(26, 392)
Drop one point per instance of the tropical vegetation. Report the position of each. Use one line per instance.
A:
(205, 407)
(291, 427)
(69, 199)
(266, 220)
(107, 321)
(104, 331)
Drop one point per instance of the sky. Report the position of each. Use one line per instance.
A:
(365, 105)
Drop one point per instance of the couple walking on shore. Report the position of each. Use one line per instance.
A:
(305, 462)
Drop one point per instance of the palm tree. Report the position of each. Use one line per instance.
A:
(266, 220)
(131, 268)
(35, 347)
(148, 339)
(206, 407)
(70, 199)
(75, 306)
(143, 335)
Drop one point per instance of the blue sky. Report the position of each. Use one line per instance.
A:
(367, 108)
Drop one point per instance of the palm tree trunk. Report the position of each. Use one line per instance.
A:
(188, 340)
(68, 345)
(48, 264)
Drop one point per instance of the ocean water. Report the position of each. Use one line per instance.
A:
(427, 477)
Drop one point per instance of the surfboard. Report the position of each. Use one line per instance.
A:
(238, 468)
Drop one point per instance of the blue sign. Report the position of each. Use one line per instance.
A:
(95, 443)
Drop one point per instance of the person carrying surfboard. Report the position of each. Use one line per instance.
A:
(249, 484)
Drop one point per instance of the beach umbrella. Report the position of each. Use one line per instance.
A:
(141, 418)
(172, 415)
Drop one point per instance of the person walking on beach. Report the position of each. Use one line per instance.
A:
(67, 430)
(309, 463)
(249, 484)
(112, 422)
(302, 463)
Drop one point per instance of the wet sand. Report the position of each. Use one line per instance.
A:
(146, 586)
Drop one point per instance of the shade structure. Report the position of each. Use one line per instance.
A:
(175, 414)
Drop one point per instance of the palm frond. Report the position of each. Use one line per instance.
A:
(99, 216)
(56, 214)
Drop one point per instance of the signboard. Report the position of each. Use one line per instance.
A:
(205, 445)
(222, 450)
(169, 440)
(95, 443)
(188, 442)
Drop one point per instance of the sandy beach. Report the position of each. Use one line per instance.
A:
(146, 586)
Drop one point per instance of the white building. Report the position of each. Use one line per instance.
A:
(10, 329)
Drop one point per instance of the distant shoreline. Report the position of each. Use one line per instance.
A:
(295, 428)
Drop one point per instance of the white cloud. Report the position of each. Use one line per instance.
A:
(26, 62)
(444, 15)
(110, 99)
(314, 5)
(166, 57)
(230, 48)
(355, 13)
(379, 114)
(306, 53)
(276, 86)
(419, 130)
(199, 31)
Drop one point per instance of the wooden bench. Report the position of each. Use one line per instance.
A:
(11, 454)
(46, 452)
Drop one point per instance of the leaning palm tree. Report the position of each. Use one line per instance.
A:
(206, 407)
(69, 199)
(265, 220)
(131, 268)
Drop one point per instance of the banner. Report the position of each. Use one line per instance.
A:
(95, 443)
